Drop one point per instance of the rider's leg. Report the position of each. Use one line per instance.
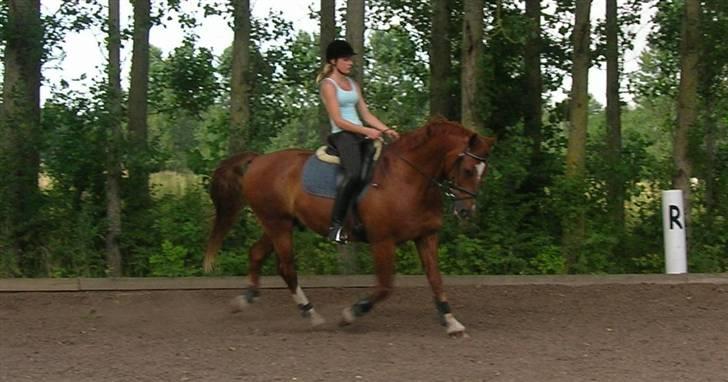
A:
(367, 160)
(350, 154)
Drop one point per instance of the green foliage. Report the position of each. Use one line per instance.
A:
(170, 262)
(549, 262)
(315, 256)
(185, 81)
(395, 82)
(74, 237)
(211, 137)
(3, 24)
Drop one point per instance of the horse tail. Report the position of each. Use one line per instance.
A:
(226, 191)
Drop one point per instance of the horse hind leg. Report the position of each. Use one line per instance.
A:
(257, 254)
(283, 244)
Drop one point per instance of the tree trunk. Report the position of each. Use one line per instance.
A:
(470, 71)
(440, 64)
(240, 79)
(712, 192)
(534, 83)
(355, 11)
(355, 35)
(533, 103)
(686, 102)
(138, 89)
(615, 182)
(327, 34)
(113, 165)
(574, 224)
(20, 128)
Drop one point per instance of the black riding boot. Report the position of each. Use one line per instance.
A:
(338, 214)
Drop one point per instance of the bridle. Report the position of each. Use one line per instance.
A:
(447, 186)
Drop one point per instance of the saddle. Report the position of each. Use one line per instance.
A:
(329, 154)
(320, 173)
(322, 168)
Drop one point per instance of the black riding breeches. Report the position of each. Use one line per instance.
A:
(356, 154)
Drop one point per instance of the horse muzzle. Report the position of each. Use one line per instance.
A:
(464, 209)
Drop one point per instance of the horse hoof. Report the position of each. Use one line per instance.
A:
(454, 327)
(317, 319)
(459, 334)
(347, 317)
(238, 304)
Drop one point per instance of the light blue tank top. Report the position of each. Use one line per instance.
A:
(347, 104)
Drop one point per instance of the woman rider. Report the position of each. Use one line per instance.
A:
(352, 139)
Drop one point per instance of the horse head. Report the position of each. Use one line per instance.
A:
(466, 167)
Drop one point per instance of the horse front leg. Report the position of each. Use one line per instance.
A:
(427, 249)
(383, 254)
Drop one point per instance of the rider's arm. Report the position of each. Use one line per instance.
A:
(370, 118)
(328, 95)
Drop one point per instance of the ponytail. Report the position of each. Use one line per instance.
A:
(325, 71)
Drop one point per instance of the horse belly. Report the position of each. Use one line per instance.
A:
(313, 212)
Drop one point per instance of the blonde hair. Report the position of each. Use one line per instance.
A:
(325, 72)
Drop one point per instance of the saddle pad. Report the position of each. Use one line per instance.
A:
(319, 178)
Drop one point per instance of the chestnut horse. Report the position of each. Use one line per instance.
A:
(403, 202)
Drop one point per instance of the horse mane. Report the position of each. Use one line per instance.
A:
(435, 127)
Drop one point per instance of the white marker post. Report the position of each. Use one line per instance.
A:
(673, 223)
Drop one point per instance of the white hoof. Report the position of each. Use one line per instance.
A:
(347, 317)
(317, 319)
(453, 327)
(238, 304)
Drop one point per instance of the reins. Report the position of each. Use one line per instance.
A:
(447, 186)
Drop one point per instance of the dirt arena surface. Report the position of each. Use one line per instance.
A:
(612, 332)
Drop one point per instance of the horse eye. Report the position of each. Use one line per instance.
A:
(469, 173)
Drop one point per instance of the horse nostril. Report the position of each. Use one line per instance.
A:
(463, 212)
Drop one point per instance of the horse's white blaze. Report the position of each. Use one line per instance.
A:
(480, 167)
(299, 297)
(453, 325)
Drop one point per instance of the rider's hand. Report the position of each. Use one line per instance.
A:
(391, 134)
(372, 133)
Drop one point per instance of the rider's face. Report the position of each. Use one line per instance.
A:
(344, 64)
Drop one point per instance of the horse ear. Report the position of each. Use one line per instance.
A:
(476, 139)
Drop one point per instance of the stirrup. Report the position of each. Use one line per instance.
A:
(337, 235)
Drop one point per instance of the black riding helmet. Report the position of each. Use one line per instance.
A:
(339, 49)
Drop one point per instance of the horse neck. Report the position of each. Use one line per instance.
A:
(429, 158)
